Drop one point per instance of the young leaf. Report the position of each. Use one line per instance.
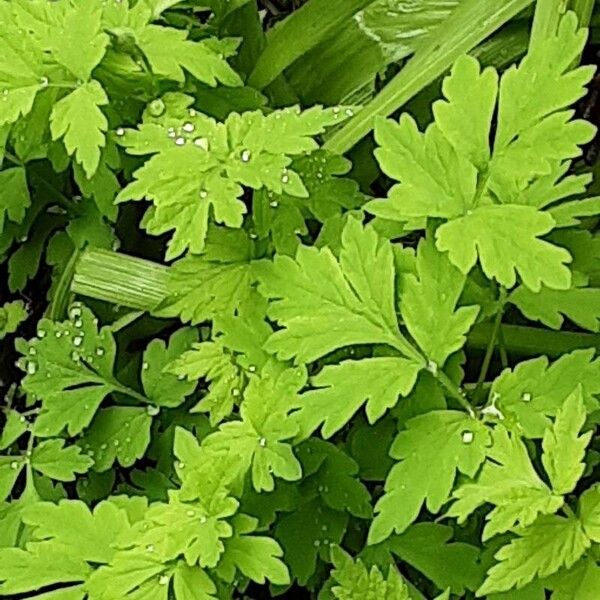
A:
(165, 389)
(12, 314)
(69, 366)
(340, 391)
(78, 119)
(438, 443)
(354, 581)
(535, 390)
(564, 449)
(52, 459)
(510, 483)
(119, 433)
(350, 301)
(541, 549)
(428, 305)
(589, 512)
(14, 195)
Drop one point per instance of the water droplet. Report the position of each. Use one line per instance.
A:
(180, 377)
(317, 543)
(203, 194)
(163, 580)
(336, 110)
(526, 397)
(326, 542)
(181, 465)
(120, 132)
(274, 204)
(41, 333)
(191, 513)
(116, 443)
(252, 368)
(14, 465)
(253, 236)
(180, 141)
(171, 132)
(324, 528)
(44, 81)
(235, 392)
(349, 112)
(78, 323)
(188, 127)
(263, 442)
(103, 447)
(202, 142)
(245, 156)
(23, 419)
(157, 108)
(152, 410)
(202, 519)
(32, 351)
(145, 366)
(75, 356)
(31, 368)
(150, 548)
(467, 437)
(285, 178)
(75, 311)
(77, 340)
(100, 351)
(192, 112)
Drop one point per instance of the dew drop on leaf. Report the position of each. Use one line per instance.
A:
(467, 437)
(202, 142)
(526, 397)
(245, 156)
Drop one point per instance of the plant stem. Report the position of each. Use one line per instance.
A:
(487, 359)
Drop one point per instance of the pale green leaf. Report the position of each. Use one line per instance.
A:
(78, 120)
(564, 449)
(53, 459)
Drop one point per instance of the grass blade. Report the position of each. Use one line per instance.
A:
(471, 23)
(300, 32)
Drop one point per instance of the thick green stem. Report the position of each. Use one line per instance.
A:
(120, 279)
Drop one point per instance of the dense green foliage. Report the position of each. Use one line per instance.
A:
(236, 363)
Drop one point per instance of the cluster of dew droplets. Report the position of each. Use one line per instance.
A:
(186, 132)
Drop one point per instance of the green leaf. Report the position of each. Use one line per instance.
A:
(589, 512)
(307, 533)
(190, 583)
(579, 304)
(255, 557)
(79, 53)
(507, 240)
(478, 108)
(14, 427)
(355, 582)
(438, 444)
(340, 391)
(259, 441)
(535, 390)
(69, 365)
(12, 314)
(541, 549)
(581, 582)
(161, 388)
(90, 534)
(509, 482)
(449, 564)
(21, 74)
(119, 434)
(350, 301)
(564, 449)
(42, 564)
(219, 282)
(428, 305)
(10, 469)
(78, 120)
(209, 162)
(14, 195)
(53, 459)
